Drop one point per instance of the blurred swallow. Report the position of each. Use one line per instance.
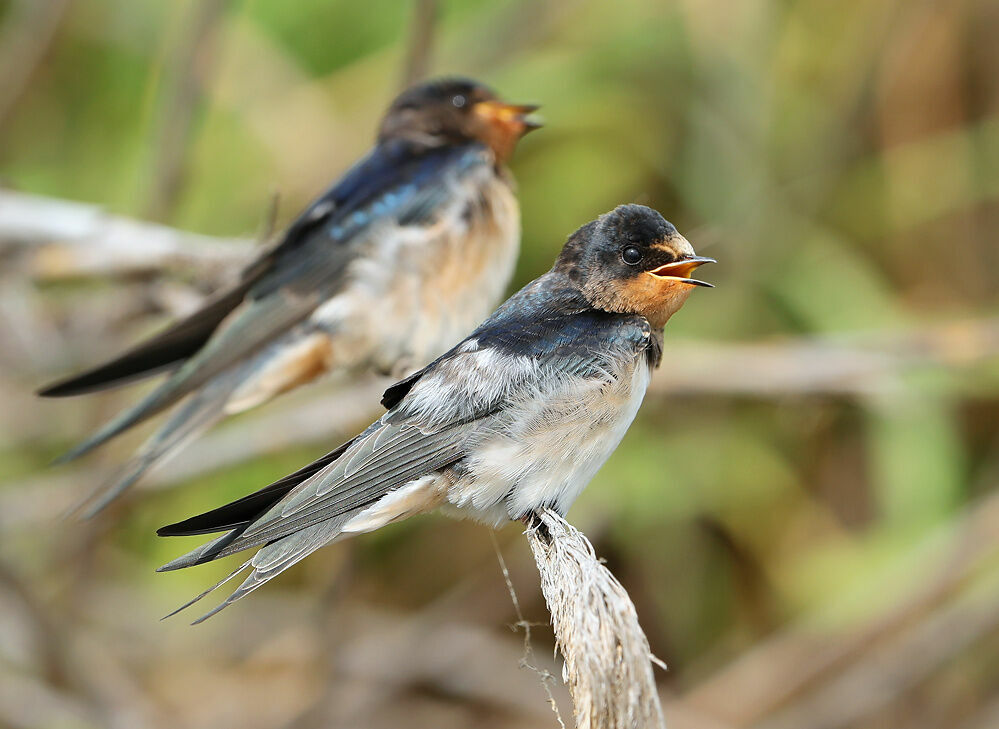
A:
(396, 262)
(517, 417)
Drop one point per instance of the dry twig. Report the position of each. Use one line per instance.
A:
(50, 238)
(608, 664)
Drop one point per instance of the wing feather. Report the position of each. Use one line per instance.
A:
(527, 348)
(284, 285)
(164, 350)
(331, 494)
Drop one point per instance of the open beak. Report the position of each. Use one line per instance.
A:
(515, 119)
(680, 271)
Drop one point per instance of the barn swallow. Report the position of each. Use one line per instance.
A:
(516, 418)
(392, 265)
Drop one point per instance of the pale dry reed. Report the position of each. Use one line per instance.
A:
(608, 664)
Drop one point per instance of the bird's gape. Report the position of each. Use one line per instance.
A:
(670, 286)
(500, 125)
(656, 294)
(656, 298)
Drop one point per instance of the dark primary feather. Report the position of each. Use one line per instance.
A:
(394, 183)
(242, 511)
(382, 458)
(175, 344)
(385, 457)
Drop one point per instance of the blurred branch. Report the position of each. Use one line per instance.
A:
(190, 63)
(37, 623)
(608, 664)
(429, 648)
(421, 41)
(887, 671)
(53, 239)
(59, 239)
(49, 238)
(987, 718)
(298, 420)
(27, 702)
(845, 364)
(26, 40)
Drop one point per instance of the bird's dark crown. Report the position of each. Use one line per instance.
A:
(600, 243)
(455, 111)
(442, 91)
(631, 260)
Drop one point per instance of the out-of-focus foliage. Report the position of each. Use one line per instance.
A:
(840, 160)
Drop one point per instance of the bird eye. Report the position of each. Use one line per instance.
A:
(459, 100)
(631, 255)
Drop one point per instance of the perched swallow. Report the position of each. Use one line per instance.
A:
(396, 262)
(517, 417)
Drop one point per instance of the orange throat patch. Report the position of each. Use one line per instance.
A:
(653, 297)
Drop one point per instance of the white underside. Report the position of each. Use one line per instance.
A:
(414, 294)
(549, 451)
(433, 286)
(421, 494)
(543, 455)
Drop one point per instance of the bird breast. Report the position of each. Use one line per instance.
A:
(425, 286)
(548, 447)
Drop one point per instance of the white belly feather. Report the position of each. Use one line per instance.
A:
(549, 449)
(421, 290)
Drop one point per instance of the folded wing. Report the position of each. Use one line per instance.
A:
(436, 417)
(283, 286)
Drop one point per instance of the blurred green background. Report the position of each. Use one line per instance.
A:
(805, 511)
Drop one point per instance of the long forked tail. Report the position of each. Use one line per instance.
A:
(239, 341)
(196, 415)
(165, 395)
(274, 557)
(286, 364)
(166, 349)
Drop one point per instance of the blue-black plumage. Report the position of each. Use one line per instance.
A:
(392, 265)
(515, 418)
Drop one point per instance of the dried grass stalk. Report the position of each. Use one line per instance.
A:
(608, 664)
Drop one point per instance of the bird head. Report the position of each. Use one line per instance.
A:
(455, 111)
(632, 261)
